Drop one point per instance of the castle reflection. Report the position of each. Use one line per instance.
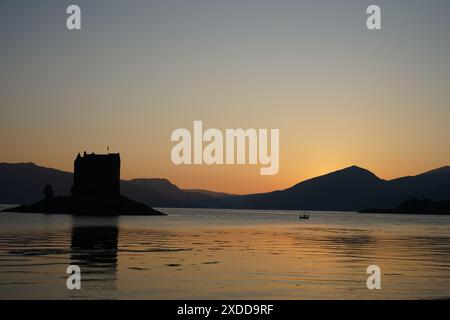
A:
(94, 247)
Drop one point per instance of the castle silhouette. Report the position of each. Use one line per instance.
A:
(96, 175)
(95, 191)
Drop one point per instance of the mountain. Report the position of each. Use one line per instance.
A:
(349, 189)
(352, 189)
(23, 183)
(163, 193)
(213, 194)
(434, 184)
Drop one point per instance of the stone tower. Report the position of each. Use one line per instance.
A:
(97, 175)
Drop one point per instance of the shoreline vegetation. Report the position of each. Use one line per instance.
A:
(416, 206)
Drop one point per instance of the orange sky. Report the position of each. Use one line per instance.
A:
(340, 94)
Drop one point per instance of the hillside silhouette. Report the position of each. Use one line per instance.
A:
(349, 189)
(22, 183)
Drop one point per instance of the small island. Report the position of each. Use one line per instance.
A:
(95, 191)
(416, 206)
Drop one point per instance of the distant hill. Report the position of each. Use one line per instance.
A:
(213, 194)
(434, 184)
(163, 193)
(23, 183)
(352, 188)
(349, 189)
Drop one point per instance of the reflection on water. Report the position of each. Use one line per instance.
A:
(94, 249)
(223, 254)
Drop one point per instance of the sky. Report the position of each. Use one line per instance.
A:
(340, 94)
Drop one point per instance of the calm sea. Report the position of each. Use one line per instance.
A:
(225, 254)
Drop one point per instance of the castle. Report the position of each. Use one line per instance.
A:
(97, 175)
(95, 191)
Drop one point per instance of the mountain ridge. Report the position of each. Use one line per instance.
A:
(351, 188)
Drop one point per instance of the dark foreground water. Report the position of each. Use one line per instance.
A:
(225, 254)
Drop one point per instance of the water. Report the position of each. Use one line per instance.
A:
(225, 254)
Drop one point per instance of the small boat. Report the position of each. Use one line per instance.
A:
(303, 216)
